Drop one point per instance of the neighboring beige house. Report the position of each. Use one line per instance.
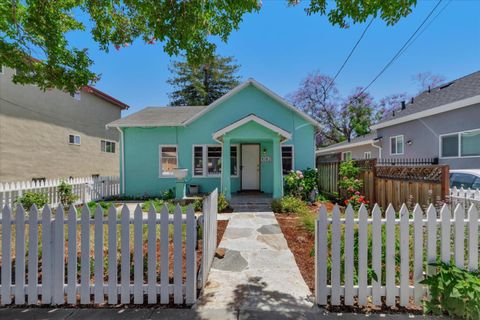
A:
(363, 147)
(54, 135)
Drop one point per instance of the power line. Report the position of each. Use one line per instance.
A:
(350, 54)
(401, 50)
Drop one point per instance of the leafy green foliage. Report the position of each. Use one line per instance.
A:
(190, 27)
(289, 204)
(301, 184)
(351, 185)
(201, 84)
(65, 193)
(28, 199)
(455, 291)
(167, 194)
(223, 203)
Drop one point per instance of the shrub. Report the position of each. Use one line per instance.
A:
(28, 199)
(167, 194)
(289, 204)
(198, 204)
(302, 184)
(356, 200)
(222, 202)
(455, 291)
(65, 193)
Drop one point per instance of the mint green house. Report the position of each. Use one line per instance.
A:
(246, 140)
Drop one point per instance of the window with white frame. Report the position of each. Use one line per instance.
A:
(346, 155)
(287, 159)
(168, 160)
(367, 155)
(107, 146)
(207, 160)
(74, 139)
(460, 144)
(396, 145)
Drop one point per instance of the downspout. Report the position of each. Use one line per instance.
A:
(379, 150)
(122, 155)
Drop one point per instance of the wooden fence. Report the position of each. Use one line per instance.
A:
(59, 253)
(86, 189)
(395, 184)
(420, 241)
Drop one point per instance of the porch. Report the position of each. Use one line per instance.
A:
(251, 202)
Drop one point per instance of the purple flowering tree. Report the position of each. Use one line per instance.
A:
(425, 80)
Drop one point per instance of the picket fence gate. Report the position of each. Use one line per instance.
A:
(428, 233)
(85, 188)
(464, 196)
(209, 243)
(47, 283)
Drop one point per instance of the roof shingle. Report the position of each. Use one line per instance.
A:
(158, 117)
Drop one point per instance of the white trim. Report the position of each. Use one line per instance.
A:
(160, 170)
(285, 134)
(379, 150)
(106, 140)
(205, 164)
(459, 134)
(369, 155)
(327, 150)
(281, 156)
(344, 153)
(73, 143)
(396, 151)
(122, 145)
(430, 112)
(261, 88)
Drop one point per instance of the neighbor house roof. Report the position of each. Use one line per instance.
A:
(355, 142)
(182, 116)
(158, 117)
(106, 97)
(456, 94)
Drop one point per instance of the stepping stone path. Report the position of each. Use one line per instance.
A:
(258, 271)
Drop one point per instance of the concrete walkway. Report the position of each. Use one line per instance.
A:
(258, 272)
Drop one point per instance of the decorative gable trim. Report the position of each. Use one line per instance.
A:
(260, 87)
(284, 134)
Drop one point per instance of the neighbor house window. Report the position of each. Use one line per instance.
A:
(74, 139)
(460, 144)
(168, 160)
(287, 159)
(107, 146)
(367, 155)
(346, 156)
(214, 160)
(207, 160)
(396, 145)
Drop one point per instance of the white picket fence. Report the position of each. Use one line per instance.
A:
(46, 281)
(418, 240)
(465, 196)
(86, 189)
(209, 244)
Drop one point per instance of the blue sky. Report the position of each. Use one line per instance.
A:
(280, 45)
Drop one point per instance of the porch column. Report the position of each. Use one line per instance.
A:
(277, 169)
(226, 167)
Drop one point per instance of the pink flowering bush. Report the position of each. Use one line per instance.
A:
(301, 184)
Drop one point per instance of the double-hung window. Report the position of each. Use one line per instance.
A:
(207, 160)
(107, 146)
(396, 145)
(74, 139)
(168, 160)
(460, 144)
(346, 155)
(367, 155)
(287, 159)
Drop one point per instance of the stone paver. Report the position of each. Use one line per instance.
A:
(257, 273)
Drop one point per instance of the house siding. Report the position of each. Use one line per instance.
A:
(424, 134)
(34, 129)
(141, 144)
(357, 152)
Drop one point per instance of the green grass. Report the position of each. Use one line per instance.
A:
(159, 203)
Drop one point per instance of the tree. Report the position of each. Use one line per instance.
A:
(36, 29)
(425, 80)
(390, 103)
(200, 85)
(340, 119)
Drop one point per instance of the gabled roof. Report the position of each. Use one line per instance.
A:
(157, 117)
(106, 97)
(355, 142)
(284, 134)
(183, 116)
(260, 87)
(456, 94)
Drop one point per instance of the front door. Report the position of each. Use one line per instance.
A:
(250, 167)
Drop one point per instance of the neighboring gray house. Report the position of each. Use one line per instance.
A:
(363, 147)
(443, 123)
(50, 134)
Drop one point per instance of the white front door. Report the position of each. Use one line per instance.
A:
(250, 167)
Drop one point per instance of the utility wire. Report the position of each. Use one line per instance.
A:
(401, 50)
(350, 54)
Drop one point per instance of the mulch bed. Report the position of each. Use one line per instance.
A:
(302, 244)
